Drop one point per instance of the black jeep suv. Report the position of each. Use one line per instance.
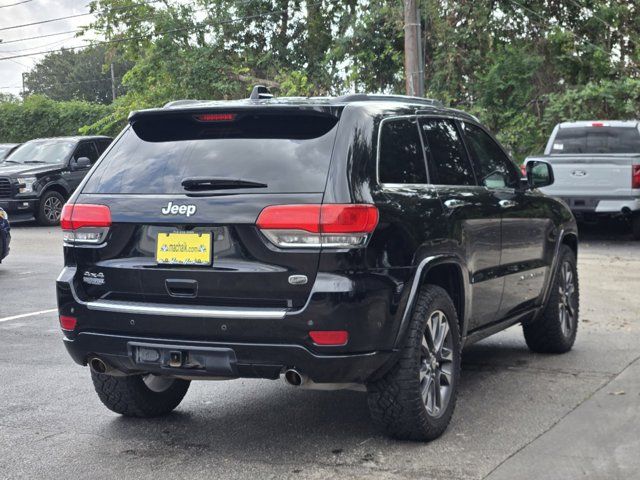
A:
(39, 176)
(350, 242)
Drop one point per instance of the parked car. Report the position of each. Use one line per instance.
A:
(6, 149)
(5, 235)
(351, 242)
(40, 175)
(597, 168)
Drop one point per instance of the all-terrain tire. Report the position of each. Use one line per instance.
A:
(130, 396)
(50, 208)
(396, 401)
(635, 226)
(546, 334)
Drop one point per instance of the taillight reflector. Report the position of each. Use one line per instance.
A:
(329, 337)
(635, 176)
(329, 225)
(68, 323)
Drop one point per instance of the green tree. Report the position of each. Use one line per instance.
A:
(76, 75)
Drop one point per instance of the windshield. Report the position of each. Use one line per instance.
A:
(42, 151)
(597, 140)
(3, 151)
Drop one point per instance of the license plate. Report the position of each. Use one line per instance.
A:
(184, 249)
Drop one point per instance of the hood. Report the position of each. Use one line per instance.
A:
(15, 169)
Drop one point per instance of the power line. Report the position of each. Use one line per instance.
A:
(76, 82)
(14, 4)
(124, 7)
(39, 46)
(6, 42)
(141, 37)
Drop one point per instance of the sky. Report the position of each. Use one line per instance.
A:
(29, 12)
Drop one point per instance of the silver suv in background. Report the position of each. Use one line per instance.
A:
(597, 168)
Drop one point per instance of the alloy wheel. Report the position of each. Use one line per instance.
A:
(52, 209)
(436, 364)
(566, 303)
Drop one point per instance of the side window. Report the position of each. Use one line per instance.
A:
(86, 149)
(401, 158)
(493, 167)
(102, 145)
(447, 158)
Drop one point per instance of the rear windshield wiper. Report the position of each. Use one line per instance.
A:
(199, 184)
(34, 161)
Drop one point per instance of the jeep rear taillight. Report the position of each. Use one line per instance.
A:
(635, 176)
(84, 223)
(313, 226)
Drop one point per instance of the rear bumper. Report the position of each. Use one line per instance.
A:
(246, 342)
(223, 360)
(609, 206)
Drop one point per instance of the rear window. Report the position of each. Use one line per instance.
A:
(596, 140)
(144, 161)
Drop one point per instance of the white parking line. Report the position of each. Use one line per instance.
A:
(15, 317)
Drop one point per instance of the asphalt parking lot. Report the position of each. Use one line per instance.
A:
(519, 415)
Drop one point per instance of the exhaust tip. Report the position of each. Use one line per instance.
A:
(97, 365)
(293, 377)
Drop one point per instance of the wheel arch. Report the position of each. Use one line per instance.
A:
(571, 241)
(447, 272)
(56, 187)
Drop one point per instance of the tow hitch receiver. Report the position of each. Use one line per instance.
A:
(199, 360)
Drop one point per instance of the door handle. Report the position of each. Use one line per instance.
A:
(455, 203)
(507, 203)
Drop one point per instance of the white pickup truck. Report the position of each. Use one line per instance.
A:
(596, 165)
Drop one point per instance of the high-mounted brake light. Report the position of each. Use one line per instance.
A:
(597, 124)
(216, 117)
(635, 176)
(312, 226)
(85, 223)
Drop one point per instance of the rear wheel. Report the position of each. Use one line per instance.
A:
(50, 208)
(416, 398)
(140, 395)
(555, 330)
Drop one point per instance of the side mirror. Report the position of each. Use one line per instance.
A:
(539, 174)
(80, 163)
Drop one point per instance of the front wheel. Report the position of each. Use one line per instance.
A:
(140, 395)
(50, 209)
(556, 328)
(416, 398)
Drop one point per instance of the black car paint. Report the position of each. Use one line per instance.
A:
(500, 262)
(61, 177)
(5, 237)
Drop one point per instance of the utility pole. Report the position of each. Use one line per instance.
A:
(23, 90)
(113, 83)
(412, 49)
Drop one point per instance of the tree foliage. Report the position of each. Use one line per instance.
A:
(38, 116)
(520, 65)
(77, 75)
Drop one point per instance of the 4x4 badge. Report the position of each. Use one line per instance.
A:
(172, 209)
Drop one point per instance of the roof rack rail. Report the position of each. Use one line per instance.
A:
(260, 92)
(363, 97)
